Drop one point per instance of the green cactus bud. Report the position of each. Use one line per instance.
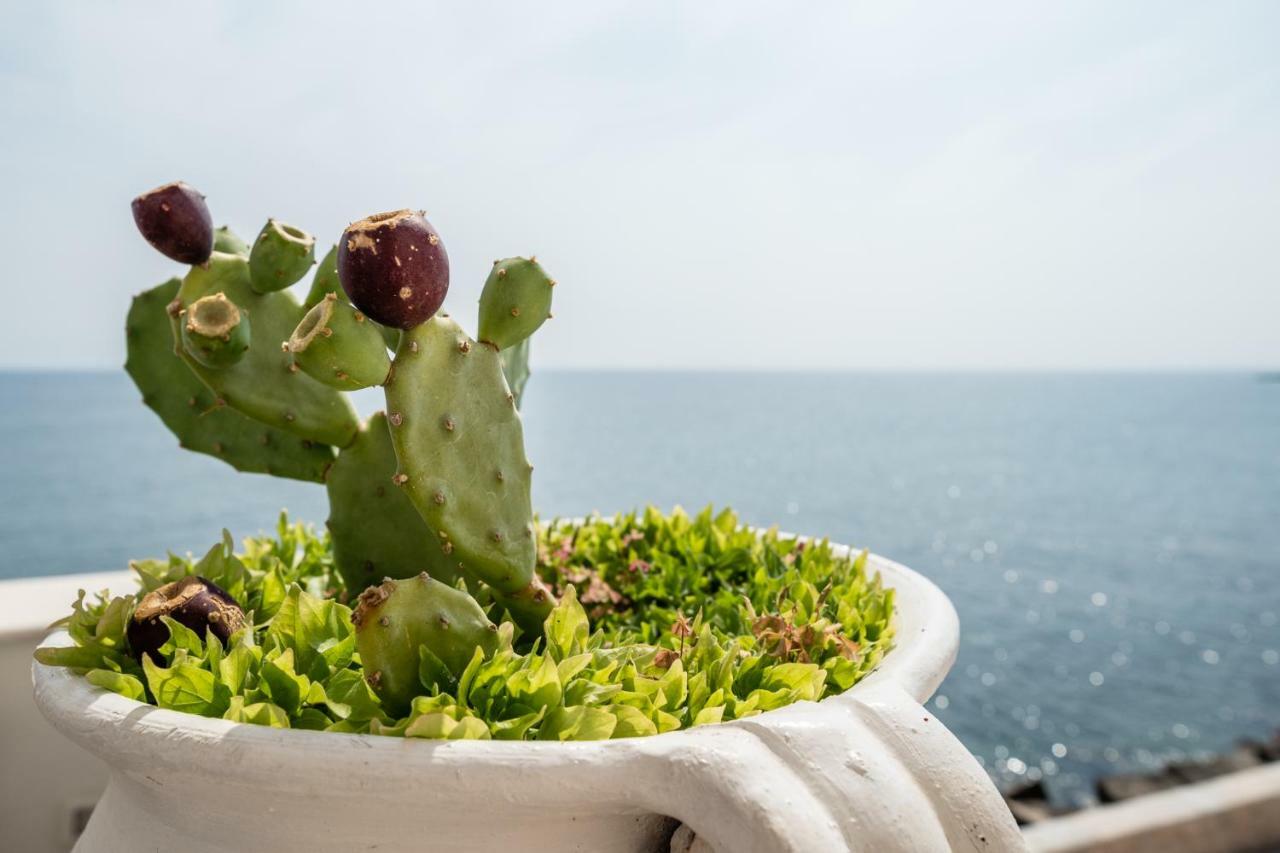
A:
(337, 345)
(215, 332)
(227, 241)
(516, 300)
(396, 618)
(280, 256)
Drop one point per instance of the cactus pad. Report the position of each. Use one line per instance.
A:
(515, 366)
(376, 531)
(265, 384)
(460, 448)
(190, 411)
(516, 300)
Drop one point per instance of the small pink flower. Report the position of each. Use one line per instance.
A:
(639, 566)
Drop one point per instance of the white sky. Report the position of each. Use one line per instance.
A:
(713, 184)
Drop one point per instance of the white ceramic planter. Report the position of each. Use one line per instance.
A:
(870, 770)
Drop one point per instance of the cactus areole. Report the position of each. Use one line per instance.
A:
(394, 268)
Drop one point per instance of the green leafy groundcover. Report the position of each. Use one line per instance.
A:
(664, 622)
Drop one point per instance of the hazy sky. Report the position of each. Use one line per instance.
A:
(860, 185)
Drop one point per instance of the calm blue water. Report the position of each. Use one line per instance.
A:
(1112, 542)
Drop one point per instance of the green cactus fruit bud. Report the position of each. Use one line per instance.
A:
(325, 281)
(394, 268)
(395, 618)
(190, 409)
(265, 385)
(175, 220)
(215, 332)
(280, 256)
(227, 241)
(376, 531)
(337, 345)
(516, 300)
(460, 447)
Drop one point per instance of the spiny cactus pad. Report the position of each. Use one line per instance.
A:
(377, 533)
(516, 300)
(406, 626)
(190, 411)
(265, 384)
(460, 445)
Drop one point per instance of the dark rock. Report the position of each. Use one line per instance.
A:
(1125, 786)
(1241, 758)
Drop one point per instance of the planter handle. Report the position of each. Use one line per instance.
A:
(875, 772)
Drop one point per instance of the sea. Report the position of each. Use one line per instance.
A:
(1111, 541)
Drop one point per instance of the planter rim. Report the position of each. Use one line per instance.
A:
(925, 643)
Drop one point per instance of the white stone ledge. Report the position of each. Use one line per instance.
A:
(29, 605)
(1237, 812)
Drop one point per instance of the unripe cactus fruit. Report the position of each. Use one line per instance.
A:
(215, 332)
(175, 220)
(280, 256)
(394, 268)
(337, 345)
(395, 618)
(227, 241)
(199, 604)
(516, 300)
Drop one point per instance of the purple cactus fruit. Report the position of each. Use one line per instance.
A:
(193, 601)
(394, 268)
(176, 222)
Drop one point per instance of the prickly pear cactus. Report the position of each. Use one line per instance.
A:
(377, 533)
(189, 409)
(413, 626)
(265, 385)
(460, 446)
